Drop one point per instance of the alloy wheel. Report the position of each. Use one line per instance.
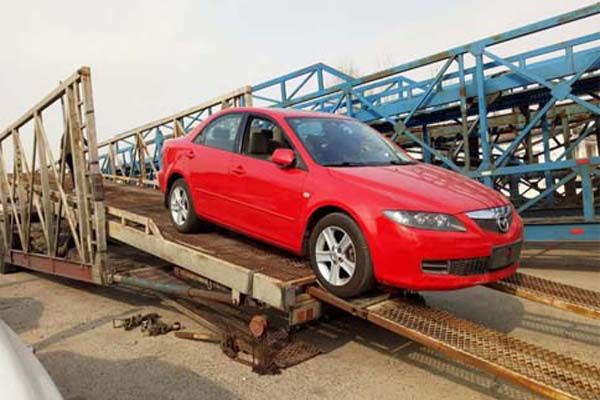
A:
(335, 255)
(179, 206)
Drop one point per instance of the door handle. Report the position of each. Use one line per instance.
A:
(190, 154)
(239, 170)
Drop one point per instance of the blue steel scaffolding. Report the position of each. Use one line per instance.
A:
(517, 123)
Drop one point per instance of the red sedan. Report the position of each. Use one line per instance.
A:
(333, 189)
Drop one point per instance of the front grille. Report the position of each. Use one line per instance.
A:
(470, 266)
(462, 267)
(502, 257)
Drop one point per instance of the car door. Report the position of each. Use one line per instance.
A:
(210, 159)
(269, 198)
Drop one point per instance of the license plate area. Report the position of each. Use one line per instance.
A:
(504, 256)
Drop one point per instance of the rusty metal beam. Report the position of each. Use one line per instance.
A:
(51, 265)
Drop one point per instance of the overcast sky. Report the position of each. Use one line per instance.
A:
(153, 58)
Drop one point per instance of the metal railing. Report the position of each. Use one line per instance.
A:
(49, 222)
(134, 156)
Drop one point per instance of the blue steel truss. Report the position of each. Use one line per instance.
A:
(514, 122)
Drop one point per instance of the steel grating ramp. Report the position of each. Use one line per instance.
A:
(570, 298)
(538, 369)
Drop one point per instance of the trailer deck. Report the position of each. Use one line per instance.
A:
(137, 217)
(226, 245)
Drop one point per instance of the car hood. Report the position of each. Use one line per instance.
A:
(423, 187)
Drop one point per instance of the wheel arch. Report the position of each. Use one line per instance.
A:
(172, 178)
(316, 215)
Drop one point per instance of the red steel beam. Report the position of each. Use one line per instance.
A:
(49, 265)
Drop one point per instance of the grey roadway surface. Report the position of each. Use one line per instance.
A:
(69, 325)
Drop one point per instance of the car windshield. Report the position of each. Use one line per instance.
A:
(334, 142)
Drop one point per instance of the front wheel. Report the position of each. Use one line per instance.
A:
(340, 256)
(181, 208)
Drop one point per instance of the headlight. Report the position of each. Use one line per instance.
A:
(423, 220)
(491, 213)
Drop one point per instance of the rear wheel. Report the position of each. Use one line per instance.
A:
(181, 208)
(340, 256)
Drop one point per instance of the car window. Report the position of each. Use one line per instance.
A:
(345, 142)
(221, 133)
(262, 138)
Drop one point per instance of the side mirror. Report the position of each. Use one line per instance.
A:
(283, 157)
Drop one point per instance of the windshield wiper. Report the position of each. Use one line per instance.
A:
(344, 164)
(367, 164)
(401, 162)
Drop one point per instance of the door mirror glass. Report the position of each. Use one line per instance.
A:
(284, 157)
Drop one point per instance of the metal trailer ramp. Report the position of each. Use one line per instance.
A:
(538, 369)
(559, 295)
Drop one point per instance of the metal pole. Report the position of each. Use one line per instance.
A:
(483, 122)
(546, 144)
(173, 289)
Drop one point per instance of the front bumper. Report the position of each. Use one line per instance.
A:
(399, 252)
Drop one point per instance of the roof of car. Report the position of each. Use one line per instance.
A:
(287, 112)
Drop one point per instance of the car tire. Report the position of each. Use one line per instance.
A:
(181, 208)
(331, 263)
